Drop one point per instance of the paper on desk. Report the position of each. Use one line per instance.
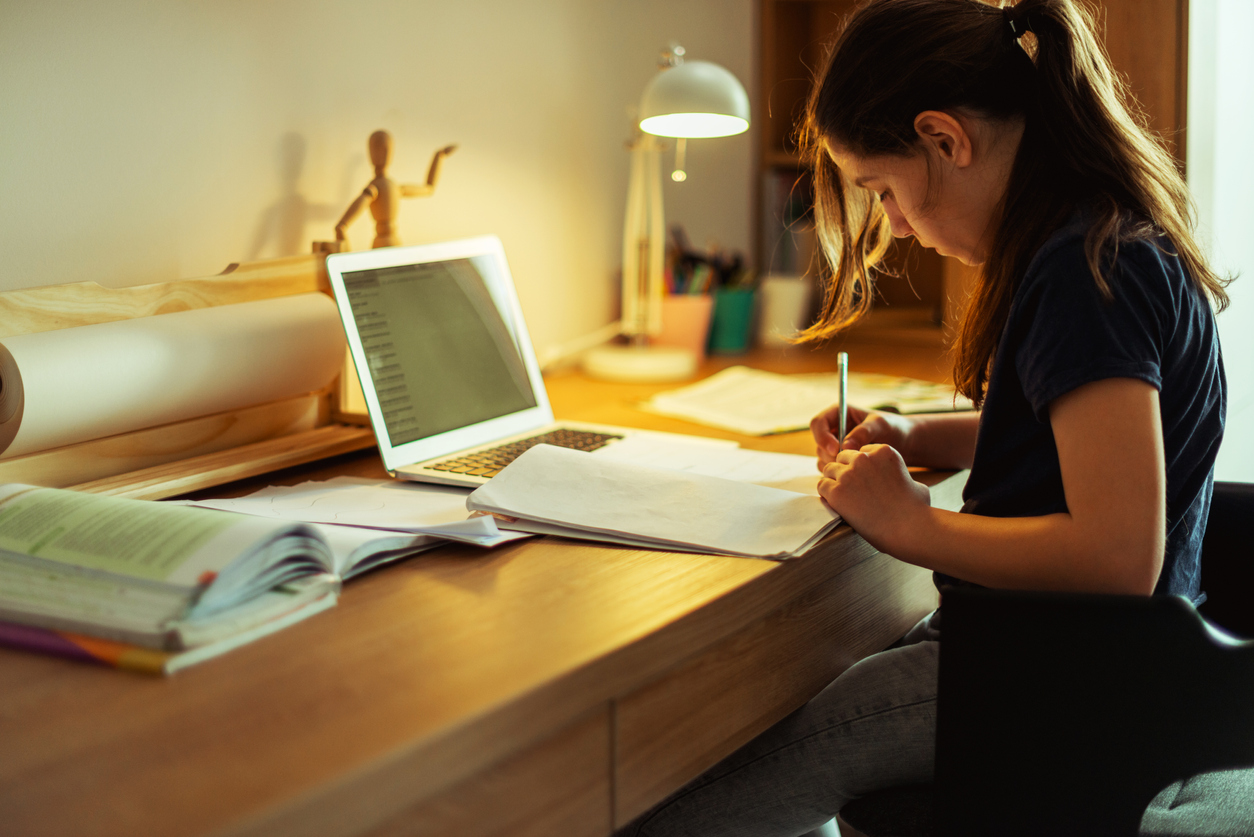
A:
(776, 470)
(872, 391)
(595, 498)
(374, 504)
(759, 403)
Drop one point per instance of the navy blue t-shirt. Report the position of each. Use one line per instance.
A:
(1060, 334)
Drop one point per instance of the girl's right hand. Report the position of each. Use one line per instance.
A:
(868, 428)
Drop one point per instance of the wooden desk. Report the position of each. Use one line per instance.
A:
(549, 687)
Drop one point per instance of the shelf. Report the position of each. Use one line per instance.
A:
(174, 478)
(783, 159)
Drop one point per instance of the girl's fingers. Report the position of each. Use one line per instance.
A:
(868, 431)
(824, 427)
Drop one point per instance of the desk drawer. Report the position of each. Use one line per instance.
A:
(671, 730)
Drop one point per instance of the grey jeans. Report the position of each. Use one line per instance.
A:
(873, 727)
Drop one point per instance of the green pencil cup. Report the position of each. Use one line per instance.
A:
(732, 321)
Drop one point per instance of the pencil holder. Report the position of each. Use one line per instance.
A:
(686, 322)
(732, 321)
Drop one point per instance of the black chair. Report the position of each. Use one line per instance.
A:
(1066, 714)
(1077, 730)
(1228, 559)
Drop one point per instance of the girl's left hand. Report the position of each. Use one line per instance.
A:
(872, 490)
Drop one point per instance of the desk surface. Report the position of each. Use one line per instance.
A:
(545, 687)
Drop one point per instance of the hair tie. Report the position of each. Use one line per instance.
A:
(1016, 20)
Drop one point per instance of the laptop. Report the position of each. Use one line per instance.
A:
(448, 372)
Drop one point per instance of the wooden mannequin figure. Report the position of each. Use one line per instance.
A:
(385, 195)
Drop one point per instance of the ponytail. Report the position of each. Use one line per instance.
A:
(1085, 144)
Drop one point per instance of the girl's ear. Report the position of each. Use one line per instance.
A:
(946, 136)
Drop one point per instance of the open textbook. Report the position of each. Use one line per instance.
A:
(551, 490)
(174, 578)
(345, 504)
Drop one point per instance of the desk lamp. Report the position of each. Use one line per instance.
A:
(686, 99)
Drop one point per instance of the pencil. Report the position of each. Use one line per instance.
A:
(842, 361)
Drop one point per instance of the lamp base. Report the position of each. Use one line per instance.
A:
(640, 364)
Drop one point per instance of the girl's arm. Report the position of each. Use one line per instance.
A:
(940, 440)
(1112, 539)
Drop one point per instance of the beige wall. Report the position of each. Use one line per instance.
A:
(143, 141)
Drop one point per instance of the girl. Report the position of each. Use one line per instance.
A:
(1003, 138)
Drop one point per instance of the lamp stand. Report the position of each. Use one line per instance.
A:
(644, 284)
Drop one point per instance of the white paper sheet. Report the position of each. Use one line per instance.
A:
(390, 505)
(63, 387)
(776, 470)
(759, 403)
(605, 499)
(872, 391)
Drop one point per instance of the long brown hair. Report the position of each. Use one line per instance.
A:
(1085, 144)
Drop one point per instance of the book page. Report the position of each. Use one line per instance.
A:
(124, 537)
(160, 543)
(759, 403)
(389, 505)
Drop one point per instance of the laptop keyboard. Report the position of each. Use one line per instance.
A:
(489, 462)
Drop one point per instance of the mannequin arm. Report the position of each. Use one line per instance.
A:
(409, 190)
(354, 209)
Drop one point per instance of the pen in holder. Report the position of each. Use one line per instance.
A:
(710, 300)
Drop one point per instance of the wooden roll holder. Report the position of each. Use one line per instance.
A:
(197, 453)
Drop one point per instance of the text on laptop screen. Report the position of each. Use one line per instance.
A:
(438, 350)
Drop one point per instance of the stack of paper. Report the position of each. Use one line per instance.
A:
(759, 403)
(552, 490)
(731, 462)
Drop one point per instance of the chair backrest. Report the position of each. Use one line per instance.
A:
(1067, 714)
(1228, 558)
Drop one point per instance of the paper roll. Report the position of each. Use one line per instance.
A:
(62, 387)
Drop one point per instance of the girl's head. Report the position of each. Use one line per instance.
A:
(942, 119)
(946, 193)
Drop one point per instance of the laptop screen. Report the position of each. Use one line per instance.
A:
(439, 353)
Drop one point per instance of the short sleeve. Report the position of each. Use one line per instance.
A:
(1072, 335)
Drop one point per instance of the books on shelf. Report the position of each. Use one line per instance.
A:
(159, 586)
(555, 491)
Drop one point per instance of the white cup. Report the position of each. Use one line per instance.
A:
(785, 301)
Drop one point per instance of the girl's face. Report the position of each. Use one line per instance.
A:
(901, 186)
(951, 208)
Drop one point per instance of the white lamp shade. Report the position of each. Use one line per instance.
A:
(695, 99)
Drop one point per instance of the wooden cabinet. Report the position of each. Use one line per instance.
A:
(1146, 40)
(794, 37)
(1148, 43)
